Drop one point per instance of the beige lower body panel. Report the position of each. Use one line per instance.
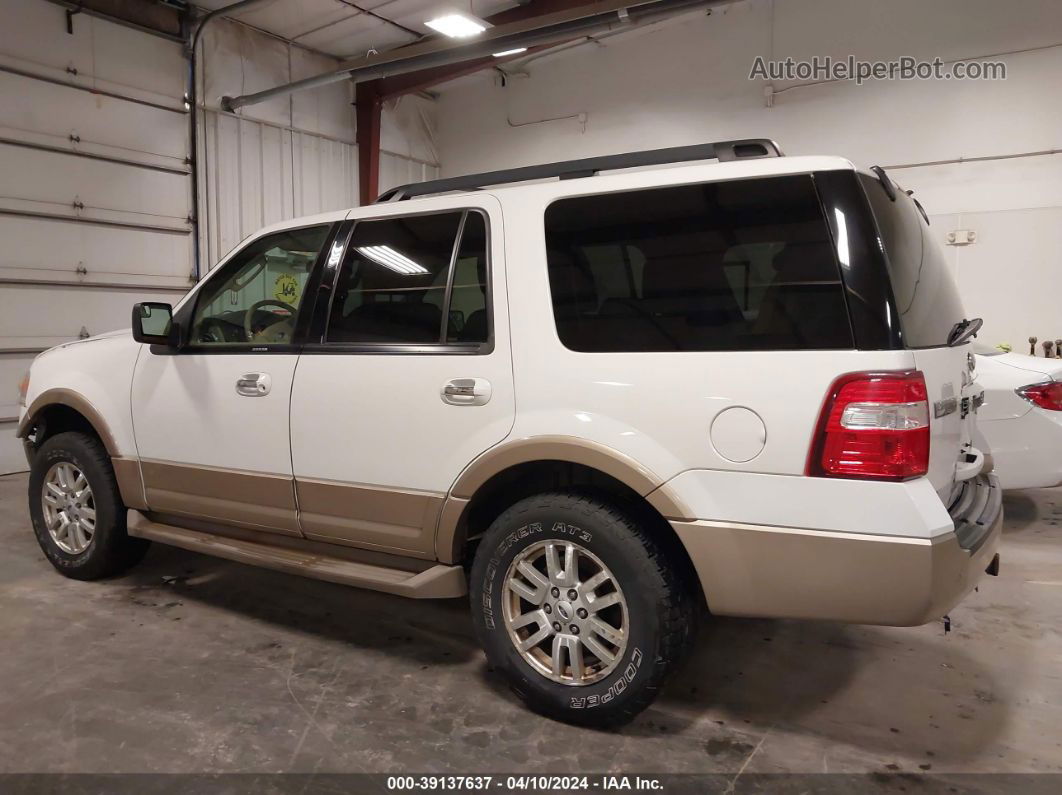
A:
(773, 572)
(350, 514)
(363, 516)
(308, 560)
(448, 541)
(130, 482)
(253, 500)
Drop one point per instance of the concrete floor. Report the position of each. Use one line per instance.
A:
(192, 664)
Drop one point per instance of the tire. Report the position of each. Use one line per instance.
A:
(655, 608)
(109, 548)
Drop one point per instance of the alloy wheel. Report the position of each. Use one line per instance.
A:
(69, 507)
(565, 612)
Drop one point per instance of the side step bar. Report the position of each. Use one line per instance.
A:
(437, 582)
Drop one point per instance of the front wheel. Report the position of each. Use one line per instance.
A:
(579, 608)
(77, 512)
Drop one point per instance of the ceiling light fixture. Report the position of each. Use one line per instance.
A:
(391, 259)
(516, 51)
(457, 26)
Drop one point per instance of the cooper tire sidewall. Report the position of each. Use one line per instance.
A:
(47, 457)
(633, 671)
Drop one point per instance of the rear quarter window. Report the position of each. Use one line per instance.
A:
(739, 265)
(927, 298)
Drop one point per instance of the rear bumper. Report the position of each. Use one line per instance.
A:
(779, 572)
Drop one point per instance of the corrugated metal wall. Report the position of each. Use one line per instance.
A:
(398, 170)
(257, 173)
(94, 186)
(291, 156)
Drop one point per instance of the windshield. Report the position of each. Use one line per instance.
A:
(926, 295)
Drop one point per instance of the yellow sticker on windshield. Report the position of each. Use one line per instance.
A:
(286, 289)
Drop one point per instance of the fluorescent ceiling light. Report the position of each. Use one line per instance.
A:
(389, 258)
(457, 26)
(503, 53)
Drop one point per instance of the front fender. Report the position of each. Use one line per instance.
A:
(93, 378)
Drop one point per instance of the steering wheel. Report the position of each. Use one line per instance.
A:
(211, 332)
(280, 331)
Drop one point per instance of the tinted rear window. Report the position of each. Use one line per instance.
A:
(927, 299)
(741, 265)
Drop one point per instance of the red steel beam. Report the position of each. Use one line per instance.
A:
(367, 107)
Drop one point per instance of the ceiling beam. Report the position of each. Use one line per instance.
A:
(154, 18)
(411, 82)
(549, 28)
(369, 95)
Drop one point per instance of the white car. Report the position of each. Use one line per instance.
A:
(595, 403)
(1021, 418)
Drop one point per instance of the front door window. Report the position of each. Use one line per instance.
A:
(256, 299)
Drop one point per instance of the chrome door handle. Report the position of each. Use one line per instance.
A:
(254, 384)
(466, 391)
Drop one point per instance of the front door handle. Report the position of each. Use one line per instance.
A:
(254, 384)
(466, 391)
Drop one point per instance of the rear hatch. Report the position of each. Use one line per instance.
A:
(929, 308)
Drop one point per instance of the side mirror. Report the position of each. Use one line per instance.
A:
(153, 323)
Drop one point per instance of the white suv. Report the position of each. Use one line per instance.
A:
(595, 403)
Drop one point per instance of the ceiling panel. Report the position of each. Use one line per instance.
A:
(354, 37)
(414, 13)
(289, 18)
(338, 28)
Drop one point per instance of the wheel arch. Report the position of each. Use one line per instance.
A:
(509, 473)
(63, 410)
(59, 410)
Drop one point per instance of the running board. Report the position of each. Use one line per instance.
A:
(437, 582)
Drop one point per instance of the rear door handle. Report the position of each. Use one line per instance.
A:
(466, 392)
(254, 384)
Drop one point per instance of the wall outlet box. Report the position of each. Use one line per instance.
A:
(962, 237)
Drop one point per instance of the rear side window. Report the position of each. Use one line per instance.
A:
(927, 298)
(416, 280)
(468, 291)
(741, 265)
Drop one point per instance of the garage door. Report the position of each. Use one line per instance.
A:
(94, 184)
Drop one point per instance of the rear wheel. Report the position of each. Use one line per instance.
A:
(579, 608)
(78, 515)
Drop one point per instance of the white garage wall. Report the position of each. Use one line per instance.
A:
(258, 173)
(281, 159)
(94, 189)
(409, 151)
(687, 81)
(293, 155)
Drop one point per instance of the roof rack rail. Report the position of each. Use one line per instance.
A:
(747, 149)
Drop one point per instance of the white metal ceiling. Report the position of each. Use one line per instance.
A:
(345, 28)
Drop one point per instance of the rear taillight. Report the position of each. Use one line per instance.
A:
(873, 425)
(1047, 395)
